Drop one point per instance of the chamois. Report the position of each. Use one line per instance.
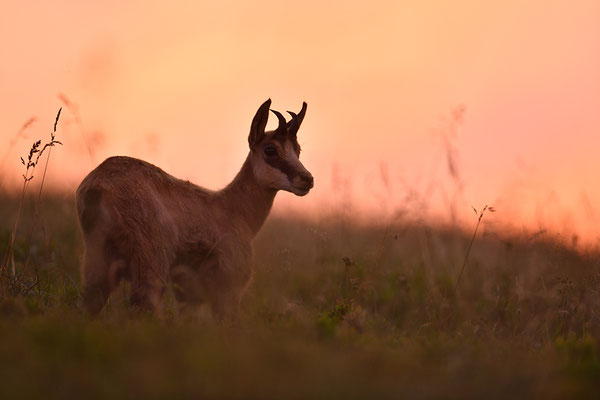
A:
(141, 224)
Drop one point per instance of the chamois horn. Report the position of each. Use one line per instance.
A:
(294, 124)
(282, 128)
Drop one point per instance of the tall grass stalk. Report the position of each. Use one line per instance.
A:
(27, 177)
(462, 269)
(49, 145)
(30, 165)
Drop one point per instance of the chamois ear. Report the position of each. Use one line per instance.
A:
(296, 120)
(259, 122)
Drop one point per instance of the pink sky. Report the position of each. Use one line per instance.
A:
(177, 83)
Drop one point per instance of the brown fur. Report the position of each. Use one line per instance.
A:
(142, 224)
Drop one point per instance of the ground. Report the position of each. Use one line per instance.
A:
(336, 309)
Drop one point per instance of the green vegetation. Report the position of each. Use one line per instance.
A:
(336, 309)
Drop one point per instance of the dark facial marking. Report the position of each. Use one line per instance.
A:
(270, 151)
(281, 164)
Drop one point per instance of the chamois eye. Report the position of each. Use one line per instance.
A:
(270, 151)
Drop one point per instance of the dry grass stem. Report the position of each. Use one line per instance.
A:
(486, 208)
(33, 158)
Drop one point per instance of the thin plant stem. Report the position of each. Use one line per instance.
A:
(43, 179)
(49, 146)
(486, 208)
(30, 166)
(37, 203)
(13, 234)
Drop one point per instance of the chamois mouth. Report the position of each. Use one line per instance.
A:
(302, 190)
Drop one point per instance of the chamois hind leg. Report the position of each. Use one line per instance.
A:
(147, 283)
(101, 274)
(187, 285)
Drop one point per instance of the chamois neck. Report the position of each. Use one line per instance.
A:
(247, 199)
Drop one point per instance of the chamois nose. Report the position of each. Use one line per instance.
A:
(308, 180)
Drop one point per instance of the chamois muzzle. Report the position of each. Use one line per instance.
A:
(303, 183)
(308, 180)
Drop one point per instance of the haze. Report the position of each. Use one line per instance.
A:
(511, 90)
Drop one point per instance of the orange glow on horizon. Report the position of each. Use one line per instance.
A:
(177, 83)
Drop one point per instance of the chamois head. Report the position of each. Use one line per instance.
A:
(275, 154)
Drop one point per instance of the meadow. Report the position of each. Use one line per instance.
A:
(337, 309)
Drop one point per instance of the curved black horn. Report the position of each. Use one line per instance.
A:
(293, 125)
(282, 128)
(299, 119)
(302, 113)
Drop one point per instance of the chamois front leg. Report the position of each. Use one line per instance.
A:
(227, 282)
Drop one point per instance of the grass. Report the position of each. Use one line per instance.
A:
(336, 309)
(35, 153)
